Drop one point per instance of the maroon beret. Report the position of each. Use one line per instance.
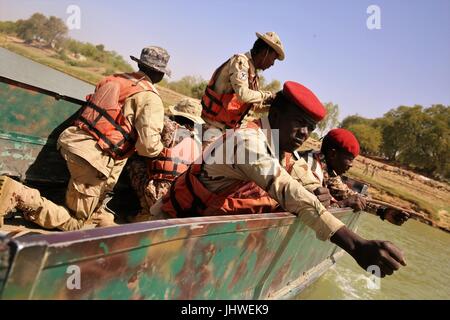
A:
(305, 99)
(343, 139)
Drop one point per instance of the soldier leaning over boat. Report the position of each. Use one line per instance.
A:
(124, 115)
(224, 184)
(181, 137)
(318, 170)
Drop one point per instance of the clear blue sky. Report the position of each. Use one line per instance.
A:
(328, 45)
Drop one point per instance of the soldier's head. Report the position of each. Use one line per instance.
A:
(340, 147)
(188, 113)
(155, 76)
(295, 112)
(153, 62)
(266, 49)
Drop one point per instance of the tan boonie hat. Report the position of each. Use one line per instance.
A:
(188, 108)
(155, 58)
(273, 40)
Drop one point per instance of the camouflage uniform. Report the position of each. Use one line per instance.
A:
(93, 172)
(150, 190)
(265, 172)
(307, 172)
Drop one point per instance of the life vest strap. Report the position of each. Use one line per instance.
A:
(105, 114)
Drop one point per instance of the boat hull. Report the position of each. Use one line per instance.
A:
(268, 256)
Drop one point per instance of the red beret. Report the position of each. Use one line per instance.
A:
(343, 139)
(305, 99)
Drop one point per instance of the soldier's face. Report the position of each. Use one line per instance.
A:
(156, 76)
(269, 59)
(341, 161)
(294, 129)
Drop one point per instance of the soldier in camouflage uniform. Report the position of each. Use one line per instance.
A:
(91, 148)
(234, 89)
(316, 170)
(186, 116)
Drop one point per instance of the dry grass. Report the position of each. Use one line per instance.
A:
(91, 74)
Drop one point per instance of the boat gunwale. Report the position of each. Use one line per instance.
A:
(62, 238)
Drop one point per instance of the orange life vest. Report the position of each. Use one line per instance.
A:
(172, 162)
(226, 108)
(103, 118)
(188, 197)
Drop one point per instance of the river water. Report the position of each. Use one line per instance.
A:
(426, 276)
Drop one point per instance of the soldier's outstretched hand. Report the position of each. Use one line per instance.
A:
(383, 254)
(397, 217)
(367, 253)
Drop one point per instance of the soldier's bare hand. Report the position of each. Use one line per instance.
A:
(270, 96)
(395, 216)
(356, 202)
(383, 254)
(369, 253)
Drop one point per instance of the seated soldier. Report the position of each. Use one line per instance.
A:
(151, 178)
(316, 169)
(246, 156)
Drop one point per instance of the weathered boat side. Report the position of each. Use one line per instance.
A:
(229, 257)
(36, 104)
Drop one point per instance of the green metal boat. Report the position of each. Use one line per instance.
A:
(267, 256)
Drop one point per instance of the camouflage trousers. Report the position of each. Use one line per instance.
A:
(148, 191)
(85, 195)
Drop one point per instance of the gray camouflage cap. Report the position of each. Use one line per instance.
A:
(155, 58)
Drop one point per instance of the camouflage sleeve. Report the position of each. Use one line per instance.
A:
(239, 68)
(303, 174)
(267, 173)
(338, 189)
(372, 208)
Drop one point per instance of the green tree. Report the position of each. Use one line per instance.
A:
(55, 30)
(354, 119)
(198, 89)
(392, 137)
(273, 86)
(193, 86)
(369, 138)
(32, 28)
(331, 120)
(433, 142)
(8, 27)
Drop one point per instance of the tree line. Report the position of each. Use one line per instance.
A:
(414, 136)
(51, 32)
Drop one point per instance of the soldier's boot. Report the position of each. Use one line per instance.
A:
(10, 191)
(14, 195)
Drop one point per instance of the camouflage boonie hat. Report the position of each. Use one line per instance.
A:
(273, 40)
(189, 109)
(155, 58)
